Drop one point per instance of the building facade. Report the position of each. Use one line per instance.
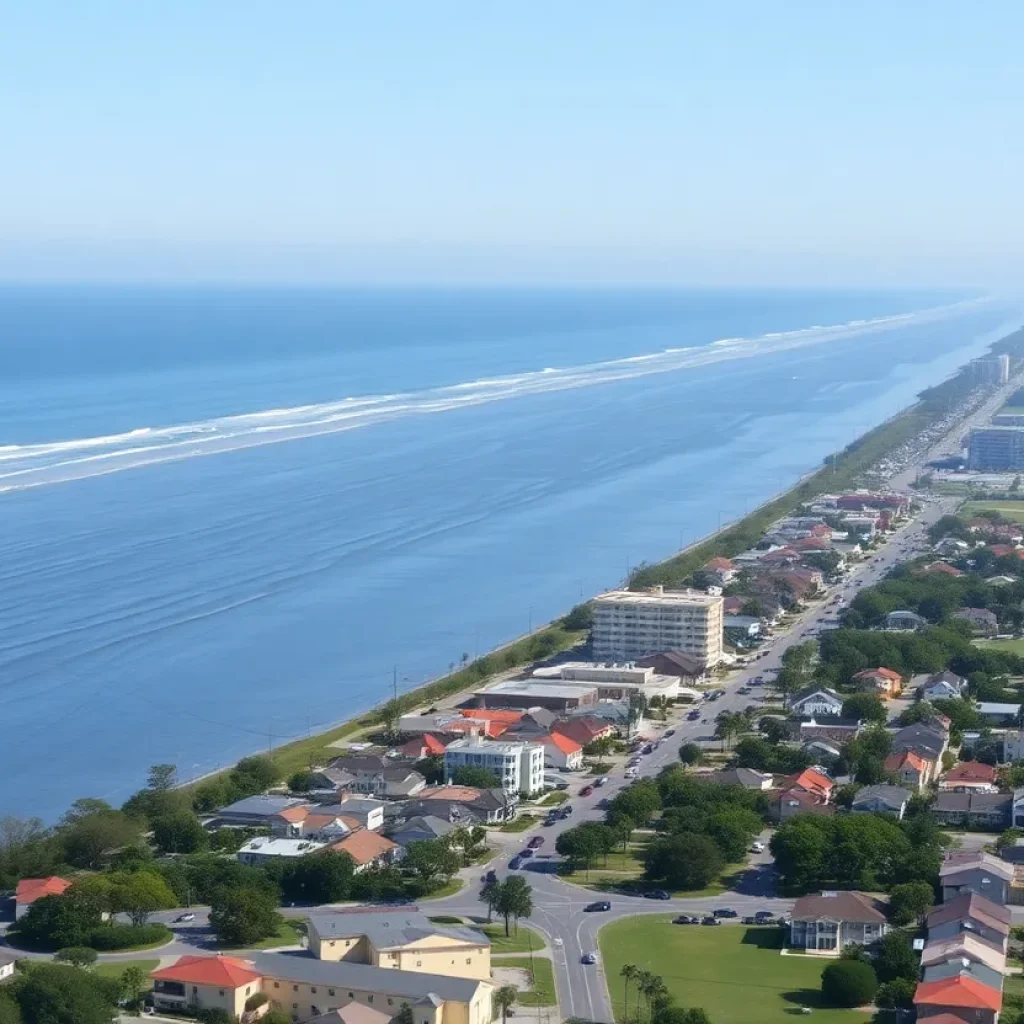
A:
(519, 766)
(630, 625)
(996, 449)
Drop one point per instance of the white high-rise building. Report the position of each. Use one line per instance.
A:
(519, 766)
(631, 624)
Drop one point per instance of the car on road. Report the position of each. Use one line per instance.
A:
(586, 790)
(670, 732)
(632, 773)
(764, 916)
(528, 852)
(757, 847)
(725, 912)
(588, 958)
(536, 842)
(185, 918)
(514, 864)
(566, 811)
(710, 920)
(685, 919)
(597, 907)
(743, 689)
(601, 781)
(657, 894)
(693, 715)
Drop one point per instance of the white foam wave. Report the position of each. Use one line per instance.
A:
(33, 465)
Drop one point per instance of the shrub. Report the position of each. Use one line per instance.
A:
(122, 936)
(77, 956)
(849, 983)
(254, 1002)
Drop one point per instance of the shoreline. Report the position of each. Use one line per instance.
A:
(550, 638)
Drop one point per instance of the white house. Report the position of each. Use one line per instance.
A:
(816, 702)
(943, 686)
(561, 752)
(519, 766)
(266, 848)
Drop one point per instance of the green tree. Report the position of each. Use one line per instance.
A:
(241, 917)
(58, 994)
(504, 999)
(910, 902)
(579, 617)
(133, 983)
(432, 861)
(896, 994)
(514, 900)
(56, 922)
(683, 861)
(254, 774)
(848, 983)
(895, 957)
(477, 778)
(489, 895)
(282, 1017)
(180, 833)
(302, 781)
(139, 894)
(691, 754)
(389, 715)
(92, 830)
(77, 956)
(162, 777)
(323, 877)
(867, 707)
(629, 973)
(215, 1015)
(9, 1012)
(639, 802)
(404, 1015)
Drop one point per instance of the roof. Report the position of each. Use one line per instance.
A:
(959, 991)
(895, 762)
(658, 596)
(885, 673)
(424, 823)
(583, 730)
(388, 929)
(364, 846)
(945, 676)
(746, 777)
(428, 742)
(458, 794)
(892, 796)
(688, 664)
(412, 985)
(990, 976)
(562, 742)
(969, 860)
(261, 806)
(812, 691)
(222, 971)
(943, 567)
(506, 717)
(811, 780)
(31, 889)
(970, 906)
(719, 563)
(839, 905)
(986, 707)
(971, 771)
(962, 946)
(295, 814)
(352, 1013)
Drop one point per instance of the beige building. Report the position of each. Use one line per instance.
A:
(630, 624)
(304, 987)
(400, 940)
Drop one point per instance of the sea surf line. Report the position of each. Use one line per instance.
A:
(40, 464)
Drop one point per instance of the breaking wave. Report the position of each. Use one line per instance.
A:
(33, 465)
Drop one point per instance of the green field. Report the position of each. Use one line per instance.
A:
(289, 933)
(1016, 646)
(543, 991)
(1007, 509)
(521, 942)
(115, 969)
(735, 973)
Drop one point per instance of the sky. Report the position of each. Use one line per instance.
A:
(581, 141)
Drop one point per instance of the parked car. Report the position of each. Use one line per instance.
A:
(749, 920)
(670, 732)
(528, 852)
(725, 912)
(597, 907)
(693, 715)
(588, 958)
(514, 864)
(685, 919)
(566, 811)
(601, 781)
(657, 894)
(757, 847)
(586, 790)
(535, 842)
(764, 916)
(710, 920)
(185, 918)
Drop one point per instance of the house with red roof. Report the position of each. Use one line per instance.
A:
(962, 997)
(31, 889)
(812, 782)
(206, 983)
(940, 568)
(561, 751)
(585, 729)
(911, 769)
(720, 571)
(881, 681)
(427, 745)
(969, 777)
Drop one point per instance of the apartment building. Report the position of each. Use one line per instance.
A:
(519, 766)
(996, 449)
(630, 625)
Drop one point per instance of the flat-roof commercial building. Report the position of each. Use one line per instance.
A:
(996, 449)
(519, 766)
(630, 624)
(559, 696)
(613, 681)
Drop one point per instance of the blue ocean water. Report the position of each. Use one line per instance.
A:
(228, 516)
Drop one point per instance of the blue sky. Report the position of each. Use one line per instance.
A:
(801, 142)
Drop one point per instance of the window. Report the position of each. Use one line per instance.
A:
(247, 989)
(351, 996)
(312, 991)
(295, 1006)
(419, 963)
(220, 992)
(277, 984)
(295, 988)
(469, 959)
(369, 999)
(330, 991)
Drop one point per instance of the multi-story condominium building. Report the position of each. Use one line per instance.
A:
(519, 766)
(631, 624)
(996, 449)
(992, 369)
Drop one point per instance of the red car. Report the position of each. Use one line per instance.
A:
(586, 790)
(536, 842)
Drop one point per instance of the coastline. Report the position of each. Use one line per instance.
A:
(839, 471)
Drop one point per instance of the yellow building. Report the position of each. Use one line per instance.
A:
(400, 940)
(305, 987)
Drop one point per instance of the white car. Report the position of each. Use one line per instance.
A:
(757, 847)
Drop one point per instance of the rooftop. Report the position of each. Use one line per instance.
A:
(31, 889)
(839, 905)
(971, 906)
(223, 971)
(480, 745)
(659, 596)
(389, 928)
(265, 806)
(959, 991)
(265, 846)
(364, 846)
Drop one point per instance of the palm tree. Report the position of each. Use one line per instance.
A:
(643, 984)
(629, 972)
(504, 999)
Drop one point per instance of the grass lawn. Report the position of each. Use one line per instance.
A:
(289, 933)
(1007, 509)
(520, 824)
(1016, 646)
(115, 970)
(543, 991)
(553, 799)
(526, 939)
(735, 973)
(454, 886)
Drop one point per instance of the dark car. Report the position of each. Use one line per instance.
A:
(535, 842)
(566, 811)
(749, 920)
(725, 912)
(670, 732)
(685, 919)
(491, 876)
(693, 715)
(598, 907)
(528, 852)
(514, 863)
(710, 920)
(764, 916)
(657, 894)
(586, 790)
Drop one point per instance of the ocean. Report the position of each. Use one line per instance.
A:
(229, 516)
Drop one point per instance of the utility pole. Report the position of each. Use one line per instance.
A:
(394, 682)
